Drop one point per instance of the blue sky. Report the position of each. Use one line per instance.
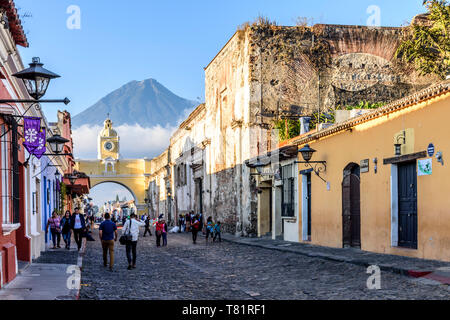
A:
(171, 41)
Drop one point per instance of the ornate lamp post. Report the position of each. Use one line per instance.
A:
(307, 154)
(57, 145)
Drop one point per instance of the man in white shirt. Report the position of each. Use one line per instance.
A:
(132, 227)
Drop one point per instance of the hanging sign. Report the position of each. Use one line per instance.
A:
(31, 129)
(430, 150)
(425, 167)
(41, 148)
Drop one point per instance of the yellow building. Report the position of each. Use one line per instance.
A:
(133, 174)
(386, 180)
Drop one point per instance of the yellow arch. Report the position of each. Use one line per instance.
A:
(132, 174)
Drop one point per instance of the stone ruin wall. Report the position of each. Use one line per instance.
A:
(355, 64)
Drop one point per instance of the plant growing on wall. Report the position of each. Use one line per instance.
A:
(287, 129)
(63, 195)
(362, 105)
(427, 43)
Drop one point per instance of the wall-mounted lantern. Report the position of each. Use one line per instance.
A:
(319, 166)
(72, 178)
(57, 143)
(398, 145)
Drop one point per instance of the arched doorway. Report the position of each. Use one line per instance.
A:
(351, 206)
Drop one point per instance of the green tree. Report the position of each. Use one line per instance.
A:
(427, 43)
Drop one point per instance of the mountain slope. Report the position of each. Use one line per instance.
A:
(147, 103)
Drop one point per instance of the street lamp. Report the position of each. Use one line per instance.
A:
(57, 143)
(307, 154)
(36, 78)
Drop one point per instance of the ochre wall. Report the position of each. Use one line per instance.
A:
(371, 140)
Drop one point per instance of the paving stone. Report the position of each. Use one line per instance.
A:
(231, 271)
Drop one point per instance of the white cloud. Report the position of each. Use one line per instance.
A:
(135, 141)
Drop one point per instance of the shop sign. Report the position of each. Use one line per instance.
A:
(365, 166)
(425, 167)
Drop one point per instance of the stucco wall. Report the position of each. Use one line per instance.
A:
(371, 140)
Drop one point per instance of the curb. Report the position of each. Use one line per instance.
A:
(383, 267)
(80, 265)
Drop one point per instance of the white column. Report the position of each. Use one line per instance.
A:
(394, 205)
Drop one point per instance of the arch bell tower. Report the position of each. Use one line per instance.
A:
(108, 147)
(110, 167)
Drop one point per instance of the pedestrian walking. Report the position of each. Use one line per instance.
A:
(66, 229)
(188, 220)
(195, 228)
(209, 228)
(147, 226)
(217, 232)
(200, 219)
(180, 223)
(55, 229)
(159, 233)
(78, 225)
(164, 232)
(132, 227)
(92, 221)
(108, 237)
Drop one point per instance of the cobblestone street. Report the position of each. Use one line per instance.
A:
(230, 271)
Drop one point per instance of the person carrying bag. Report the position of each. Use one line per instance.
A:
(131, 235)
(127, 237)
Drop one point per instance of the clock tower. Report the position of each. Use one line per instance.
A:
(108, 142)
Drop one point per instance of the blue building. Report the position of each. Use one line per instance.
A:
(50, 191)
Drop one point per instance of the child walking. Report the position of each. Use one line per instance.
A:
(217, 232)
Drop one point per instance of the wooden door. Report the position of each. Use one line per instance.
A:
(407, 205)
(308, 176)
(351, 210)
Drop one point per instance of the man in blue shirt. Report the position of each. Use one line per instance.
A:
(108, 236)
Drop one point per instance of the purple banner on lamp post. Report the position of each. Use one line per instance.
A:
(42, 142)
(32, 128)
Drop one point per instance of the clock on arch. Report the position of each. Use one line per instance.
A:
(109, 146)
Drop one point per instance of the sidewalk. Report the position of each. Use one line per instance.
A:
(46, 278)
(429, 271)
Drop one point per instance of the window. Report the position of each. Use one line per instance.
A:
(5, 175)
(178, 175)
(288, 201)
(34, 201)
